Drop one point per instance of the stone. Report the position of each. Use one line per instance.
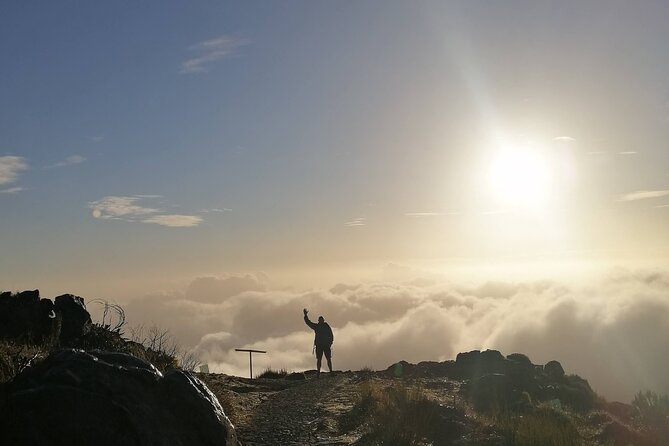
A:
(76, 319)
(103, 398)
(554, 370)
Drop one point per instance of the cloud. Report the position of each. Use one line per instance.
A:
(216, 290)
(612, 331)
(70, 160)
(643, 195)
(12, 190)
(128, 208)
(360, 221)
(628, 153)
(10, 168)
(428, 214)
(209, 51)
(174, 220)
(564, 139)
(215, 210)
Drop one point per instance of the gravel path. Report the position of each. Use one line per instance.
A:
(304, 414)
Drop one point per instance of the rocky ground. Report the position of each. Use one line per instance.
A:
(325, 412)
(318, 411)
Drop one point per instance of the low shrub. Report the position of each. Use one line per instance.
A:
(402, 416)
(270, 373)
(542, 427)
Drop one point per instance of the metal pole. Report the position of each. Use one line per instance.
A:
(251, 351)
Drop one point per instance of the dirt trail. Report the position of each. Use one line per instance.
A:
(304, 414)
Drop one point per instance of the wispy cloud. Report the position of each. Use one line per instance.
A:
(130, 208)
(428, 214)
(360, 221)
(10, 168)
(70, 160)
(11, 190)
(174, 220)
(209, 51)
(215, 210)
(630, 152)
(564, 139)
(643, 195)
(97, 138)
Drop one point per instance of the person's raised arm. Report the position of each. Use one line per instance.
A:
(307, 321)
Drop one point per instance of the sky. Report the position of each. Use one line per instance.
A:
(292, 147)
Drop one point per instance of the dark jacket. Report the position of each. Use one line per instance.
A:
(323, 331)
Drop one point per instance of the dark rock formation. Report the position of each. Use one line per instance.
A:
(554, 370)
(76, 319)
(27, 318)
(491, 380)
(102, 398)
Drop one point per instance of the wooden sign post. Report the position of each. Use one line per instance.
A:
(251, 352)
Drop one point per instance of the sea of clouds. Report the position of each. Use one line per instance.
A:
(614, 332)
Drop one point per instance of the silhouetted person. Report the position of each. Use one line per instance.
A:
(322, 341)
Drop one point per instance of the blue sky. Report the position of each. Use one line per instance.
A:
(152, 139)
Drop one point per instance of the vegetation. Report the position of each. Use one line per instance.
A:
(653, 414)
(542, 427)
(270, 373)
(397, 415)
(150, 344)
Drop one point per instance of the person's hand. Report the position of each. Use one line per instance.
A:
(305, 311)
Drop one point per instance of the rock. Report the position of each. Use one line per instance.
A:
(102, 398)
(475, 364)
(520, 359)
(554, 370)
(76, 319)
(24, 317)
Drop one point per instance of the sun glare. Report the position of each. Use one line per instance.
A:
(520, 177)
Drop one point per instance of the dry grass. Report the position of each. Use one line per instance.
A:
(542, 427)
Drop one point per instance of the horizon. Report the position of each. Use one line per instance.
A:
(499, 170)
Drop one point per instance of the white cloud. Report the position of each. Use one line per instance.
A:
(128, 208)
(174, 220)
(11, 167)
(112, 207)
(360, 221)
(564, 139)
(210, 51)
(70, 160)
(612, 332)
(630, 152)
(643, 195)
(12, 190)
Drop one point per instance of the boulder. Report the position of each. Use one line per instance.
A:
(475, 364)
(76, 321)
(554, 370)
(102, 398)
(25, 317)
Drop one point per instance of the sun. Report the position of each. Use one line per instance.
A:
(520, 177)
